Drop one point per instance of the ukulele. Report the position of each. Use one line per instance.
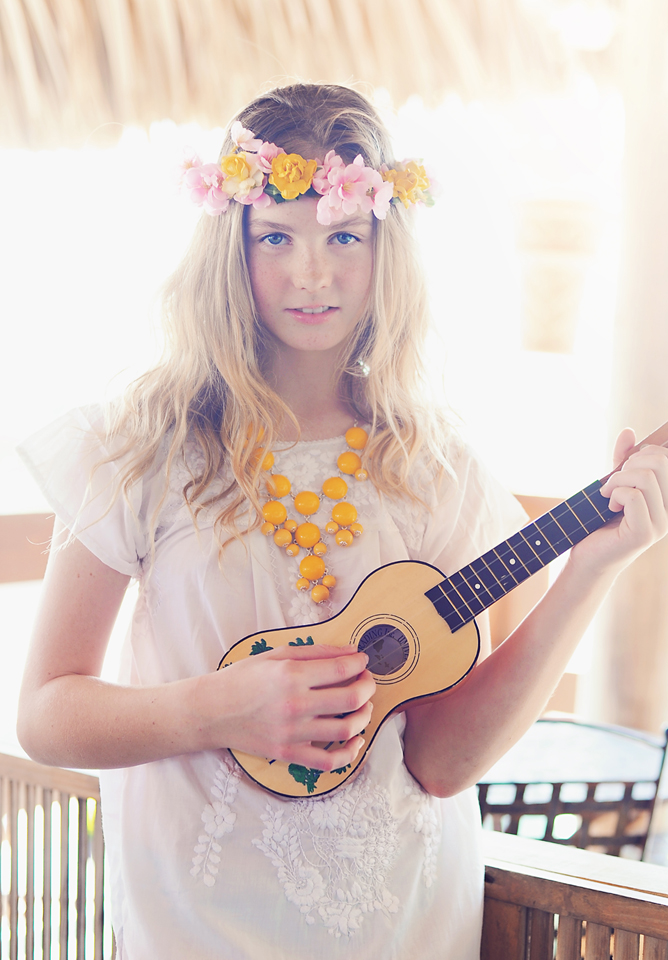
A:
(418, 627)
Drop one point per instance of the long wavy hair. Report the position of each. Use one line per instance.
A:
(209, 385)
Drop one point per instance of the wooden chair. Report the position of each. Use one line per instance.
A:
(581, 784)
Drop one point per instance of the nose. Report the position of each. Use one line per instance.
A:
(312, 271)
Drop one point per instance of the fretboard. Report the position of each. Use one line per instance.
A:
(462, 596)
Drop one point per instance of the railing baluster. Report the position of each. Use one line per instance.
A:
(627, 945)
(654, 949)
(30, 871)
(12, 816)
(98, 860)
(47, 803)
(569, 938)
(64, 872)
(541, 935)
(597, 941)
(82, 857)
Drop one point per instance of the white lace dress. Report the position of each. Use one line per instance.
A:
(205, 865)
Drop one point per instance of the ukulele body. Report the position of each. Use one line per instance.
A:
(412, 652)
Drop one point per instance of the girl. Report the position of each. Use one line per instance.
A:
(294, 329)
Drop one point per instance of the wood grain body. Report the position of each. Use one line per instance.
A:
(436, 660)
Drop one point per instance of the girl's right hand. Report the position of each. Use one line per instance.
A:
(279, 703)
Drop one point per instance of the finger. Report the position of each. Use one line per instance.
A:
(648, 472)
(316, 651)
(334, 700)
(623, 444)
(342, 728)
(330, 672)
(334, 758)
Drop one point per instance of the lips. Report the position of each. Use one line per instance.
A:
(315, 314)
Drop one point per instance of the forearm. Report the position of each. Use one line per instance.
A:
(81, 721)
(452, 742)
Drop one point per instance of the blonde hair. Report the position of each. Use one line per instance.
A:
(209, 386)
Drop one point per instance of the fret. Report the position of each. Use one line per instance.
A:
(488, 580)
(553, 532)
(526, 554)
(468, 595)
(477, 583)
(445, 608)
(538, 543)
(512, 562)
(499, 569)
(569, 522)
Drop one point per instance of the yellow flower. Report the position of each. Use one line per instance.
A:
(235, 165)
(291, 174)
(409, 183)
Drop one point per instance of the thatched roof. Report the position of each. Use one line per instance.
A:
(67, 67)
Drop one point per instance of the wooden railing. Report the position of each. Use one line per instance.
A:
(545, 901)
(51, 864)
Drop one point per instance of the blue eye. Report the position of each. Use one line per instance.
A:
(274, 239)
(345, 239)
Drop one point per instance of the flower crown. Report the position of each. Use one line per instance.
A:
(259, 173)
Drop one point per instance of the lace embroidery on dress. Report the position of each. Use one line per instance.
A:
(426, 821)
(333, 855)
(219, 819)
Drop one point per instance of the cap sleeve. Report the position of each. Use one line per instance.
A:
(62, 458)
(469, 517)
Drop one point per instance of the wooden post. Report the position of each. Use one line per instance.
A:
(630, 682)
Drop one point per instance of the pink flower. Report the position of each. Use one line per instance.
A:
(321, 182)
(204, 184)
(352, 188)
(382, 198)
(190, 160)
(266, 154)
(244, 138)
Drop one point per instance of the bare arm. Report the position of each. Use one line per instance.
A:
(272, 705)
(451, 743)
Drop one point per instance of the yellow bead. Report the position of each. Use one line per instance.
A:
(344, 513)
(307, 503)
(329, 581)
(266, 458)
(356, 529)
(320, 593)
(303, 583)
(292, 549)
(348, 462)
(278, 485)
(356, 438)
(320, 549)
(344, 538)
(267, 528)
(307, 534)
(290, 525)
(282, 537)
(335, 488)
(331, 527)
(361, 474)
(312, 567)
(274, 512)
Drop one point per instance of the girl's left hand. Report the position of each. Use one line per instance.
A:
(640, 490)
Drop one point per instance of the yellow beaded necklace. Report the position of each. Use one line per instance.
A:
(293, 536)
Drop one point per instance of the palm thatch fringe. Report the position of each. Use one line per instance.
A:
(69, 67)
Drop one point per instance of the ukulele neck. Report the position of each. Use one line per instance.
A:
(462, 596)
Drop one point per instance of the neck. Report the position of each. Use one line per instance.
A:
(308, 383)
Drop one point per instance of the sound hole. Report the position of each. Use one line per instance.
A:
(387, 648)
